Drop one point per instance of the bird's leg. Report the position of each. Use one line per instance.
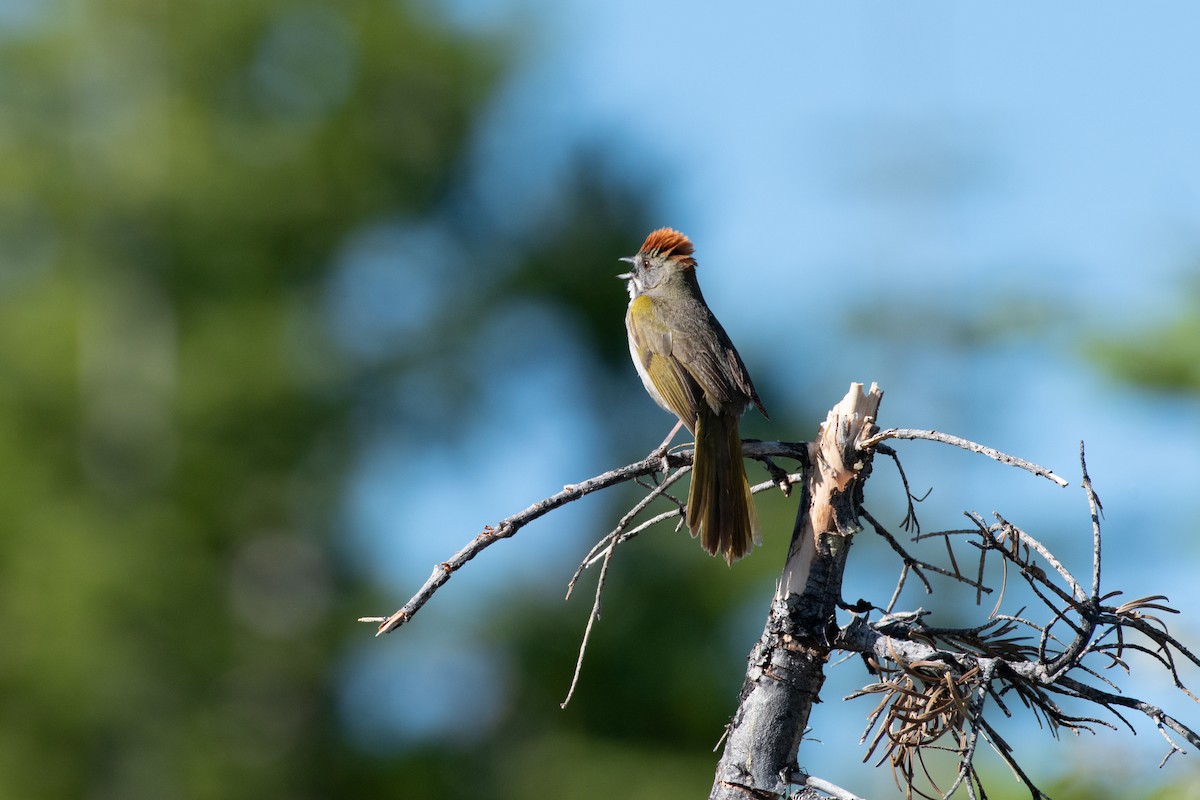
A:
(661, 450)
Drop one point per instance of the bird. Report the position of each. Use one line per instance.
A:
(690, 367)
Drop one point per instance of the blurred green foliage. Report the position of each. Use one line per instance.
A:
(179, 187)
(173, 422)
(1162, 356)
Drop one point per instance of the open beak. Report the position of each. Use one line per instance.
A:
(625, 276)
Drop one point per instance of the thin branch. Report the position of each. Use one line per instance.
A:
(1156, 714)
(1097, 510)
(1003, 750)
(965, 444)
(610, 542)
(992, 539)
(891, 606)
(603, 548)
(593, 617)
(915, 564)
(910, 520)
(597, 554)
(1045, 553)
(824, 787)
(509, 526)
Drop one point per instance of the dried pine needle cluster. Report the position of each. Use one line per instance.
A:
(937, 686)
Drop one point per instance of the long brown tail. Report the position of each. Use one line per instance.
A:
(720, 507)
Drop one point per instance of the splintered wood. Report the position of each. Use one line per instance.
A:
(835, 459)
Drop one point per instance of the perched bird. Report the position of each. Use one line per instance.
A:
(691, 369)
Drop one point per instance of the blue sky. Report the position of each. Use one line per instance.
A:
(933, 162)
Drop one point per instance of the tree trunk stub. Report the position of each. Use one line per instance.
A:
(785, 669)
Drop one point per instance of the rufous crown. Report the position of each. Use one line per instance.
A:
(670, 242)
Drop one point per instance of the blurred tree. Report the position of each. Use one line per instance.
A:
(1164, 356)
(227, 235)
(230, 237)
(173, 427)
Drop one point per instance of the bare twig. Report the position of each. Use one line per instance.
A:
(1153, 712)
(1003, 750)
(597, 553)
(1097, 510)
(891, 606)
(1047, 556)
(910, 520)
(916, 565)
(509, 526)
(609, 543)
(965, 444)
(603, 548)
(593, 617)
(823, 786)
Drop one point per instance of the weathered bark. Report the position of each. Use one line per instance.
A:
(786, 666)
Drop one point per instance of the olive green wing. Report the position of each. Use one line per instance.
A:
(715, 366)
(666, 378)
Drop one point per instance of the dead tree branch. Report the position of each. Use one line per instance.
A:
(965, 444)
(570, 493)
(937, 689)
(785, 671)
